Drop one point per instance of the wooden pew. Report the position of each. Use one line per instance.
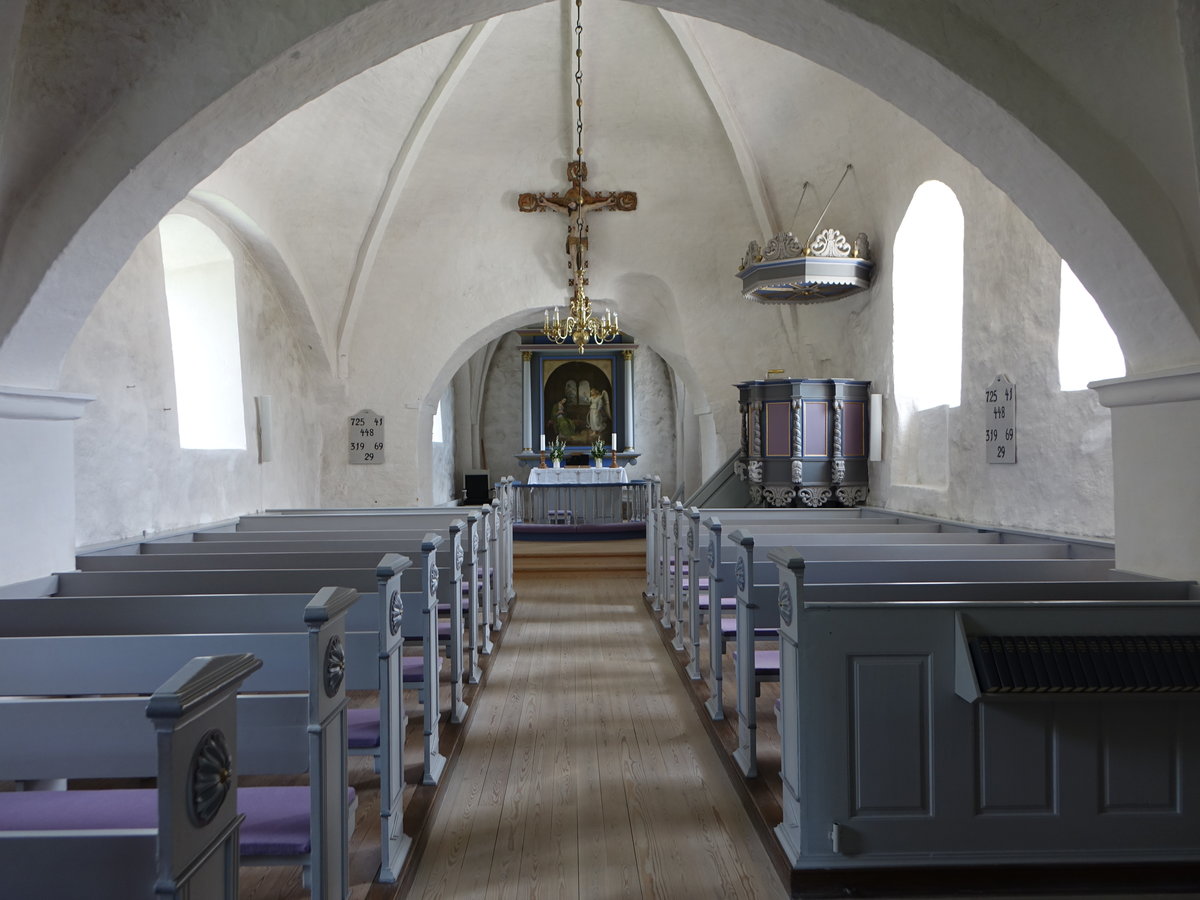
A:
(683, 527)
(289, 556)
(419, 619)
(298, 727)
(893, 756)
(465, 560)
(787, 521)
(758, 605)
(663, 526)
(62, 854)
(381, 524)
(499, 568)
(942, 545)
(372, 652)
(653, 539)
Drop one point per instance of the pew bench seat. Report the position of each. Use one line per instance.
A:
(766, 666)
(277, 823)
(362, 728)
(729, 631)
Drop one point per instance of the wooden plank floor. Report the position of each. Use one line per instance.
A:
(585, 771)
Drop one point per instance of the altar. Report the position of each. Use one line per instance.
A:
(579, 475)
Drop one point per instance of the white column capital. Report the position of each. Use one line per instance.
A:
(1168, 386)
(35, 403)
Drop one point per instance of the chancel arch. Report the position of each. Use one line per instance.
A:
(94, 206)
(1097, 198)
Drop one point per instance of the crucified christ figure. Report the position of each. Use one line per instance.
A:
(576, 203)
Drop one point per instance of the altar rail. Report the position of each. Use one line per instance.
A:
(581, 504)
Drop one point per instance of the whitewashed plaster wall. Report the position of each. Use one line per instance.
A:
(669, 268)
(132, 477)
(1062, 481)
(654, 414)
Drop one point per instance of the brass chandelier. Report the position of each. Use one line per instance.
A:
(580, 325)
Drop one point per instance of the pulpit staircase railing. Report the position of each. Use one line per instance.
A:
(722, 490)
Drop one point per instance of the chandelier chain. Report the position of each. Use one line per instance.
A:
(580, 325)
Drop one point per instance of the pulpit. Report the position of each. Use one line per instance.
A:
(804, 441)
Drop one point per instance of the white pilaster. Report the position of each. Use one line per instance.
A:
(526, 401)
(629, 429)
(1156, 470)
(37, 481)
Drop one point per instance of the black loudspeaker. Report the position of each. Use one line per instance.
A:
(476, 488)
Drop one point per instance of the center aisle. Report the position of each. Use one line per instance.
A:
(585, 771)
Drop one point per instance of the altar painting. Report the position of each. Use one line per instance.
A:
(577, 400)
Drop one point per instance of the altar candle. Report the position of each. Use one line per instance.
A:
(543, 442)
(614, 441)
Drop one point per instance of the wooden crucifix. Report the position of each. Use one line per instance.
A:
(576, 203)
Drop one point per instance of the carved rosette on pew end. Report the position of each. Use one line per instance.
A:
(804, 441)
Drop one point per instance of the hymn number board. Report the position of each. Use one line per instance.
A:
(366, 438)
(1000, 421)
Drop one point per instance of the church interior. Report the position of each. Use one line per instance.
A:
(228, 229)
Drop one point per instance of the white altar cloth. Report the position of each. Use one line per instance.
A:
(581, 475)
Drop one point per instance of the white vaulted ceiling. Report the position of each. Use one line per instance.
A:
(715, 130)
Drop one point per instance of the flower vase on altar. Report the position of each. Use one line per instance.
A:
(556, 463)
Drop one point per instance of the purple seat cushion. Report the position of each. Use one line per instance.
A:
(74, 810)
(729, 630)
(277, 820)
(766, 663)
(276, 817)
(726, 602)
(702, 583)
(412, 668)
(362, 727)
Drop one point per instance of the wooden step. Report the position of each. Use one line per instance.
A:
(623, 557)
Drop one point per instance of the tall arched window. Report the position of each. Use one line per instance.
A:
(438, 436)
(927, 295)
(202, 308)
(927, 298)
(1087, 347)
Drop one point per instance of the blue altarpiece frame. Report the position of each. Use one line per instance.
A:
(561, 400)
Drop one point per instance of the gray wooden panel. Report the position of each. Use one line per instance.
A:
(884, 537)
(800, 515)
(1107, 778)
(348, 521)
(979, 595)
(137, 664)
(342, 535)
(1140, 764)
(460, 510)
(340, 559)
(1017, 753)
(167, 614)
(81, 865)
(235, 581)
(890, 740)
(854, 526)
(287, 543)
(1047, 550)
(937, 570)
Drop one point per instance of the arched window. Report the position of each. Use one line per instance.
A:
(202, 308)
(438, 437)
(927, 294)
(1087, 347)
